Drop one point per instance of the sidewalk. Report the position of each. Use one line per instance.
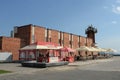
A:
(17, 68)
(80, 63)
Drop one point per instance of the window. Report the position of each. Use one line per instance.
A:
(27, 54)
(22, 55)
(70, 42)
(50, 39)
(49, 34)
(31, 55)
(78, 39)
(62, 35)
(46, 39)
(60, 41)
(72, 37)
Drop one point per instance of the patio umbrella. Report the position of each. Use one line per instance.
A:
(101, 49)
(84, 48)
(94, 49)
(111, 50)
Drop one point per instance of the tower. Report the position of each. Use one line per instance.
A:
(90, 31)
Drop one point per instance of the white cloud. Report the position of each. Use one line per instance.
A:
(114, 22)
(116, 9)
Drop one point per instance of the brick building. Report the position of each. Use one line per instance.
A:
(12, 45)
(66, 39)
(75, 41)
(32, 33)
(27, 34)
(52, 36)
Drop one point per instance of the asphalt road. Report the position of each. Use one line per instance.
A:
(104, 70)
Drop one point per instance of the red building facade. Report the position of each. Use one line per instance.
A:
(66, 39)
(27, 34)
(24, 33)
(33, 33)
(12, 45)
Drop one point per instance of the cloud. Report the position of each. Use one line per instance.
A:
(114, 22)
(116, 9)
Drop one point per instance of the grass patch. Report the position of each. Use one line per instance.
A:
(4, 71)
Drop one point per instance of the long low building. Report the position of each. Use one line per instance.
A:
(28, 34)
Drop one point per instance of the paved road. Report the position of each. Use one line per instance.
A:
(108, 69)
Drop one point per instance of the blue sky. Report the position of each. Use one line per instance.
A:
(72, 16)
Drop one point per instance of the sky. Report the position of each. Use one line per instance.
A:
(72, 16)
